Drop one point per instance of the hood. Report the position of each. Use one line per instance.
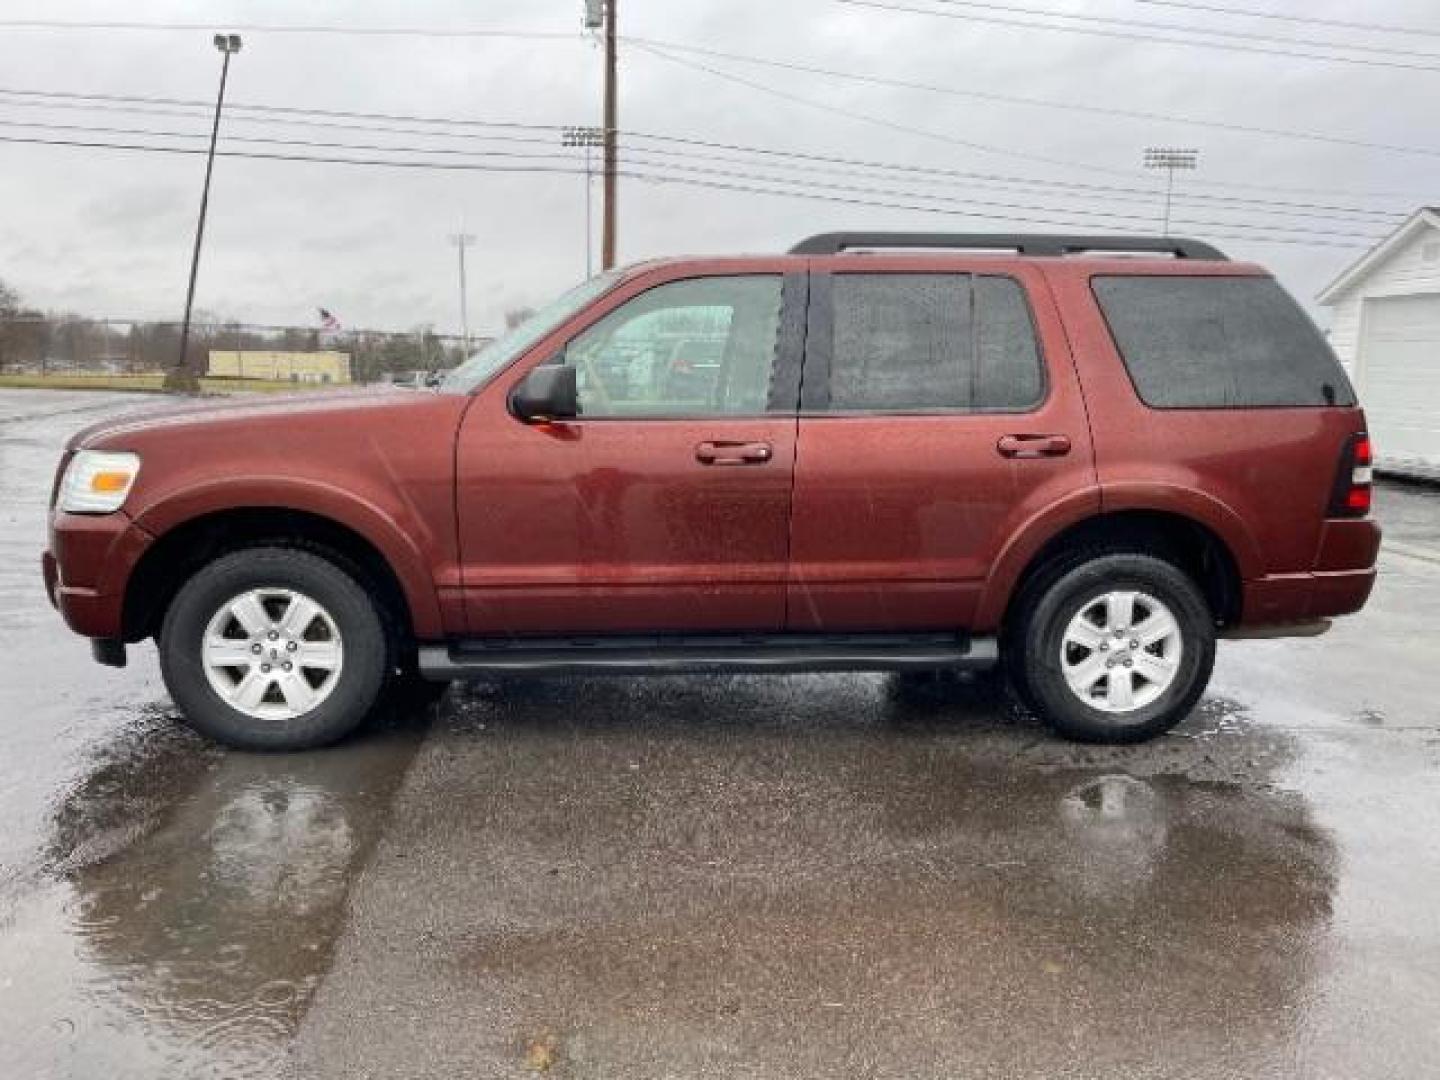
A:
(111, 434)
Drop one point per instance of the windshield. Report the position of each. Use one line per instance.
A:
(509, 345)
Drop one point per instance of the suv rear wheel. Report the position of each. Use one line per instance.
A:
(1113, 648)
(273, 649)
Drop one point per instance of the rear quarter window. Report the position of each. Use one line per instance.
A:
(1219, 343)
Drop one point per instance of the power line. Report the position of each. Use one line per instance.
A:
(40, 24)
(331, 114)
(879, 121)
(1095, 31)
(1319, 239)
(936, 176)
(723, 186)
(672, 158)
(967, 201)
(1011, 99)
(571, 35)
(938, 136)
(1184, 28)
(298, 116)
(321, 144)
(878, 80)
(822, 165)
(80, 99)
(1344, 24)
(294, 28)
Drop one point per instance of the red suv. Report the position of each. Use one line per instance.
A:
(1084, 457)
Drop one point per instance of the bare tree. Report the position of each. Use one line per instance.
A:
(9, 311)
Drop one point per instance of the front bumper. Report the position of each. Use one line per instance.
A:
(86, 569)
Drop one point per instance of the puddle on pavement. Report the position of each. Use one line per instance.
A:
(189, 903)
(829, 876)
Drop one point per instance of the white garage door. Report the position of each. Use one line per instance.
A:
(1399, 381)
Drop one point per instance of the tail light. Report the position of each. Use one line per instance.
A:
(1351, 497)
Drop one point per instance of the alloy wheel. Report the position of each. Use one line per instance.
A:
(1121, 651)
(272, 653)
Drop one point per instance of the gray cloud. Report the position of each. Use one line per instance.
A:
(109, 233)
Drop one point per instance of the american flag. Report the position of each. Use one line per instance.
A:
(328, 322)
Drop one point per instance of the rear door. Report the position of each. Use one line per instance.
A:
(939, 413)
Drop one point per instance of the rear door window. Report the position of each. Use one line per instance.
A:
(931, 342)
(1219, 343)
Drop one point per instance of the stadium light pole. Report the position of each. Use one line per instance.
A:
(1169, 158)
(181, 377)
(589, 138)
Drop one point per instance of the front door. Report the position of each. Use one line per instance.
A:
(940, 413)
(665, 505)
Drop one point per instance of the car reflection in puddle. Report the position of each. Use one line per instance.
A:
(194, 899)
(810, 875)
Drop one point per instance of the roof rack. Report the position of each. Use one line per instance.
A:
(1024, 243)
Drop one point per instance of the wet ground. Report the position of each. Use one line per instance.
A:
(811, 876)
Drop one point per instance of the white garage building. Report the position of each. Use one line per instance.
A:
(1386, 330)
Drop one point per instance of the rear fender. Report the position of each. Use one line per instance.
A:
(1055, 519)
(1023, 546)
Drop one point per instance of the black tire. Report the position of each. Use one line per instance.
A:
(356, 687)
(1034, 641)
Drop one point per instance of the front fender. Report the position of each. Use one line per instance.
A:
(392, 530)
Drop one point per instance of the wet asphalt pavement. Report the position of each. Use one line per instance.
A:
(809, 876)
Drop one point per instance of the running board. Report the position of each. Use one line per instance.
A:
(636, 655)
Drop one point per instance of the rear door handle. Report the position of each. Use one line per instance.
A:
(721, 452)
(1033, 446)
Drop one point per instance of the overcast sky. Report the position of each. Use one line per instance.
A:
(108, 233)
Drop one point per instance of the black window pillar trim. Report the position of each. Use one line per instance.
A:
(790, 344)
(819, 344)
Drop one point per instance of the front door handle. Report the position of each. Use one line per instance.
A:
(720, 452)
(1033, 446)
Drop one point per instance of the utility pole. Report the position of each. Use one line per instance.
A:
(462, 240)
(181, 377)
(1169, 158)
(589, 138)
(607, 245)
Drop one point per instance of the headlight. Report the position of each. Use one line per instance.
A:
(97, 482)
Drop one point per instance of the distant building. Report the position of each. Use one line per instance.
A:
(1386, 330)
(325, 366)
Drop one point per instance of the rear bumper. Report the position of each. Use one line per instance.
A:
(90, 560)
(1287, 598)
(1339, 584)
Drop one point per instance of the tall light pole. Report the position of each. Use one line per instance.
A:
(589, 138)
(462, 240)
(1169, 158)
(181, 377)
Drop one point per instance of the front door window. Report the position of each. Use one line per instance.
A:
(698, 347)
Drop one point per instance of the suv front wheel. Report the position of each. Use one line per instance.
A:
(1114, 648)
(273, 649)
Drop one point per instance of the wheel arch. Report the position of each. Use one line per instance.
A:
(380, 556)
(1202, 551)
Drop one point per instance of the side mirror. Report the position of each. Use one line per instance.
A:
(547, 393)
